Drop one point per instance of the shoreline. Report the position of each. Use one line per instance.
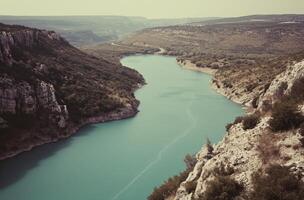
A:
(125, 113)
(187, 64)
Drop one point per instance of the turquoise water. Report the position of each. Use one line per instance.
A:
(125, 160)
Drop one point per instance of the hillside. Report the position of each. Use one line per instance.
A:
(49, 89)
(284, 18)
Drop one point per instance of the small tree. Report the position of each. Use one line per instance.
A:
(250, 121)
(209, 146)
(190, 161)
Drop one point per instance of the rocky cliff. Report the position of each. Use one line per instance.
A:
(49, 89)
(250, 150)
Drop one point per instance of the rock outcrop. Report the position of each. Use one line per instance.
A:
(282, 85)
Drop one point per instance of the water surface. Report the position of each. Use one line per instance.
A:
(125, 160)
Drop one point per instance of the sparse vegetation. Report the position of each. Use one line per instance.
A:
(250, 121)
(277, 183)
(190, 161)
(302, 141)
(223, 170)
(223, 187)
(237, 120)
(285, 116)
(190, 186)
(297, 90)
(209, 146)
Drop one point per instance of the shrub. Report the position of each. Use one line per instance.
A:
(255, 102)
(228, 126)
(297, 90)
(209, 146)
(301, 131)
(190, 186)
(281, 89)
(277, 183)
(190, 161)
(285, 116)
(222, 188)
(223, 170)
(250, 121)
(302, 141)
(236, 121)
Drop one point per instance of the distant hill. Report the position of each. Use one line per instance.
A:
(86, 30)
(287, 18)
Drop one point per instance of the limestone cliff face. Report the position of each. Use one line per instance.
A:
(282, 85)
(23, 98)
(247, 151)
(49, 89)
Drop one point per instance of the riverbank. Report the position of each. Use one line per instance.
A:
(73, 128)
(187, 64)
(216, 85)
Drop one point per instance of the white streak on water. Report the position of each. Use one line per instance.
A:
(161, 152)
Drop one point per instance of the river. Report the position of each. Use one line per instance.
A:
(125, 160)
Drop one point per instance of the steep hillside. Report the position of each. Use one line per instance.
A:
(264, 154)
(49, 89)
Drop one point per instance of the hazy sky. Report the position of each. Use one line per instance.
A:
(151, 8)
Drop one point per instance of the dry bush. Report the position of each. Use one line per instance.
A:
(250, 121)
(267, 148)
(223, 170)
(190, 161)
(302, 141)
(277, 183)
(190, 186)
(236, 121)
(223, 187)
(285, 116)
(297, 90)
